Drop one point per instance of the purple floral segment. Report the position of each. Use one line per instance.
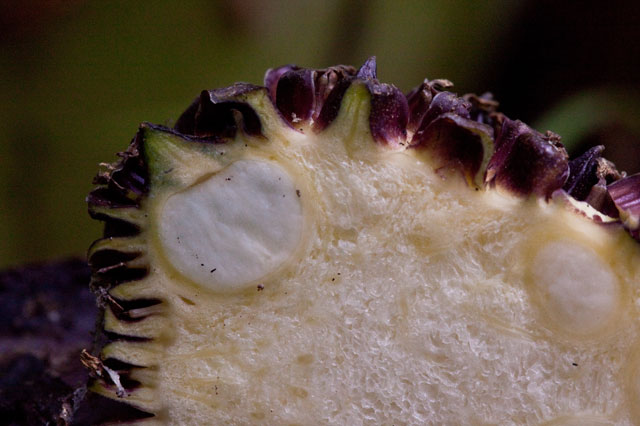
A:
(300, 94)
(429, 100)
(272, 76)
(315, 97)
(459, 131)
(626, 196)
(389, 107)
(213, 114)
(325, 81)
(418, 100)
(443, 103)
(389, 114)
(526, 162)
(442, 126)
(295, 93)
(459, 143)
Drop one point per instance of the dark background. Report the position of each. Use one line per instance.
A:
(77, 77)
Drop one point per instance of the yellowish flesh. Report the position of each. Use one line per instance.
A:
(410, 299)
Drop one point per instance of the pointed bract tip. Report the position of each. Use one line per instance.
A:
(368, 71)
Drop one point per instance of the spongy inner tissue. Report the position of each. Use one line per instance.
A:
(233, 228)
(408, 299)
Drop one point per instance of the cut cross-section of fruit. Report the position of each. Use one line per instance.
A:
(328, 250)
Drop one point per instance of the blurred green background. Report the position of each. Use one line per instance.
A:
(77, 77)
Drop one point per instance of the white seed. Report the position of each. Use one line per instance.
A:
(233, 228)
(576, 288)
